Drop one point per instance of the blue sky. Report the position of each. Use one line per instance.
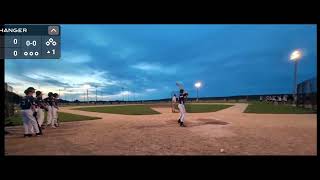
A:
(147, 60)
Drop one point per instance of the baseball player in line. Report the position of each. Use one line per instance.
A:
(55, 109)
(182, 98)
(50, 101)
(40, 107)
(28, 109)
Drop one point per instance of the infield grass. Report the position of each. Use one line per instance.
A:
(126, 109)
(201, 108)
(265, 108)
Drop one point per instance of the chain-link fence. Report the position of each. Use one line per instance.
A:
(11, 100)
(307, 93)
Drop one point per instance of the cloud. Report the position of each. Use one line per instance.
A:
(151, 90)
(95, 37)
(155, 67)
(75, 57)
(123, 52)
(57, 78)
(149, 59)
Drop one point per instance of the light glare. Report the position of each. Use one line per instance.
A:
(197, 85)
(295, 55)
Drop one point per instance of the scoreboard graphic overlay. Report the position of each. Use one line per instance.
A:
(30, 42)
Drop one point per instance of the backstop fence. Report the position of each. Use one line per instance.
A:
(307, 93)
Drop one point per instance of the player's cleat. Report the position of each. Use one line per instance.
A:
(182, 125)
(28, 135)
(38, 134)
(53, 127)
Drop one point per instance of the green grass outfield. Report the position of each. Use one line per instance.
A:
(63, 117)
(126, 109)
(265, 108)
(201, 108)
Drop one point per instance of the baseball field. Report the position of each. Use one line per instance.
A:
(152, 129)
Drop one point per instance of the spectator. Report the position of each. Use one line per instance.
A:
(284, 99)
(268, 99)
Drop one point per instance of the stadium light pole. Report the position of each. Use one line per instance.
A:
(122, 94)
(295, 56)
(60, 94)
(197, 85)
(96, 94)
(87, 96)
(86, 87)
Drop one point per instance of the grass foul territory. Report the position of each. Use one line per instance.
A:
(201, 108)
(265, 108)
(16, 120)
(127, 110)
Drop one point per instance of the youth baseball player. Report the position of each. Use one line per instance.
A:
(40, 107)
(173, 103)
(27, 105)
(49, 101)
(182, 98)
(55, 109)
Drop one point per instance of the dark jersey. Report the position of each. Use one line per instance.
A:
(27, 102)
(49, 101)
(182, 98)
(55, 102)
(40, 102)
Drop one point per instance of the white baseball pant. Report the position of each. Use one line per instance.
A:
(54, 116)
(49, 116)
(182, 112)
(40, 116)
(29, 122)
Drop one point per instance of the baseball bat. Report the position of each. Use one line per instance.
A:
(179, 85)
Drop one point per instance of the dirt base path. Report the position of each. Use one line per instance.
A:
(206, 134)
(238, 108)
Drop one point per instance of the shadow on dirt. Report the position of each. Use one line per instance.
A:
(198, 122)
(213, 121)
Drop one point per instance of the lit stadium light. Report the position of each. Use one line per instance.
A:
(197, 85)
(295, 55)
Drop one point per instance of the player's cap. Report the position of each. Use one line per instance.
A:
(31, 89)
(50, 94)
(38, 93)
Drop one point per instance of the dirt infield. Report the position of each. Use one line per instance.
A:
(206, 134)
